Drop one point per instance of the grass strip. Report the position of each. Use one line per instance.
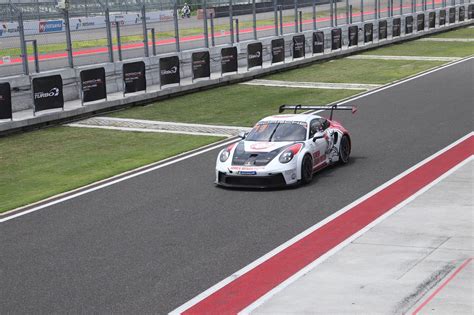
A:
(236, 105)
(464, 32)
(39, 164)
(428, 49)
(356, 71)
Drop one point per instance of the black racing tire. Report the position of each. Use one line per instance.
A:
(306, 170)
(344, 149)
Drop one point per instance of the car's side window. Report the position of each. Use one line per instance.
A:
(324, 123)
(314, 127)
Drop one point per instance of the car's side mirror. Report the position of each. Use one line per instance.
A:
(318, 135)
(243, 134)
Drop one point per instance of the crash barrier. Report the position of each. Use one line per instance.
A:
(47, 92)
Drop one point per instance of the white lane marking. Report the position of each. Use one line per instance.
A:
(3, 219)
(333, 251)
(150, 130)
(162, 164)
(166, 123)
(435, 39)
(414, 58)
(313, 85)
(308, 231)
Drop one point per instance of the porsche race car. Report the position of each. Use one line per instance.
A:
(285, 149)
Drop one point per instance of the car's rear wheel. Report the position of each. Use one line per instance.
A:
(306, 170)
(344, 149)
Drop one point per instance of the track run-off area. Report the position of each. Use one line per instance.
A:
(152, 240)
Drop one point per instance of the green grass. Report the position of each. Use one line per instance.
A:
(464, 32)
(430, 49)
(236, 105)
(39, 164)
(356, 71)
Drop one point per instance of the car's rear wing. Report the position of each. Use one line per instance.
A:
(332, 108)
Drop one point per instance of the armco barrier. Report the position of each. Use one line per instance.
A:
(155, 68)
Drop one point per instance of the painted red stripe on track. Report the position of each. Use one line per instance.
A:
(104, 50)
(466, 262)
(249, 287)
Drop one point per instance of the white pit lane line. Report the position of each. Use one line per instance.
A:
(16, 213)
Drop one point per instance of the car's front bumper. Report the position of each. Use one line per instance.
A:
(251, 181)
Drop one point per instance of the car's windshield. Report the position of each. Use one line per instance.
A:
(278, 131)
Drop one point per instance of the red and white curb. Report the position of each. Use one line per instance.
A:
(251, 286)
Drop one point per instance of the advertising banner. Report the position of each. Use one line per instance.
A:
(462, 13)
(383, 29)
(254, 55)
(201, 65)
(336, 38)
(353, 35)
(48, 93)
(409, 25)
(432, 20)
(229, 59)
(169, 70)
(452, 15)
(470, 11)
(298, 46)
(93, 85)
(278, 50)
(50, 26)
(5, 101)
(442, 17)
(318, 42)
(396, 27)
(368, 32)
(134, 77)
(420, 22)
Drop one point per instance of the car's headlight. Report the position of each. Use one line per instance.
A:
(290, 152)
(226, 153)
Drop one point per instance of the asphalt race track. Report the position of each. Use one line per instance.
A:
(151, 243)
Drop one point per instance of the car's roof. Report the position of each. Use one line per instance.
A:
(291, 117)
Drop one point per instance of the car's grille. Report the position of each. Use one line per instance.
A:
(252, 181)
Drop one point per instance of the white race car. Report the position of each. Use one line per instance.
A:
(284, 149)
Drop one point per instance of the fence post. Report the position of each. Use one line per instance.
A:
(153, 40)
(254, 17)
(401, 7)
(375, 9)
(314, 14)
(295, 4)
(176, 27)
(331, 12)
(301, 21)
(347, 11)
(362, 10)
(205, 27)
(24, 52)
(68, 38)
(119, 41)
(212, 31)
(35, 54)
(275, 16)
(281, 20)
(109, 35)
(231, 22)
(335, 13)
(350, 14)
(237, 30)
(145, 32)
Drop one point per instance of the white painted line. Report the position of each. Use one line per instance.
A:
(313, 85)
(196, 152)
(414, 58)
(349, 240)
(78, 125)
(168, 123)
(109, 183)
(308, 231)
(434, 39)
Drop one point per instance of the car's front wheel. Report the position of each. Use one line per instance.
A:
(306, 170)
